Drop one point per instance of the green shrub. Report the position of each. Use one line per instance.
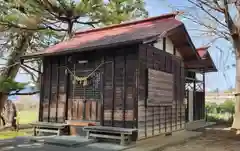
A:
(219, 120)
(222, 113)
(227, 107)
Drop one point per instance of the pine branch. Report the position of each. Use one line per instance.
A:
(9, 25)
(91, 23)
(17, 93)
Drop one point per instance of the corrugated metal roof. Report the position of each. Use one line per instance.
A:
(117, 34)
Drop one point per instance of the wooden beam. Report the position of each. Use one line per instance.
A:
(203, 74)
(194, 100)
(174, 50)
(40, 116)
(124, 89)
(66, 87)
(182, 45)
(50, 87)
(102, 91)
(58, 81)
(113, 88)
(164, 43)
(137, 67)
(165, 118)
(153, 121)
(146, 91)
(197, 62)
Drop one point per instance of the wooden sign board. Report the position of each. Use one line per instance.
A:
(160, 88)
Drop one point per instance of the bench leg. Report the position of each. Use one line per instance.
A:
(59, 132)
(129, 139)
(88, 135)
(122, 140)
(34, 131)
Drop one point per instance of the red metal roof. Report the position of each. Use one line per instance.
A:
(202, 51)
(137, 30)
(206, 61)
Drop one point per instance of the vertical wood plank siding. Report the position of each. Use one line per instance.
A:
(112, 98)
(119, 97)
(155, 120)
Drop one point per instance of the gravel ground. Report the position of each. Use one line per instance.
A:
(215, 139)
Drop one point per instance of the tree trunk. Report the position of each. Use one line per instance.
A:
(12, 70)
(236, 121)
(3, 123)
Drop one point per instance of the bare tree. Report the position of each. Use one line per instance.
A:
(219, 19)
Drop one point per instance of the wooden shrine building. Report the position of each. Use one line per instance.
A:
(131, 75)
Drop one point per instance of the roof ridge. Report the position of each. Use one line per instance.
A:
(168, 15)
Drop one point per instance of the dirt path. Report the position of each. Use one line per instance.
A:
(216, 139)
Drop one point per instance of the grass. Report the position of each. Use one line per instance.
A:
(14, 134)
(27, 117)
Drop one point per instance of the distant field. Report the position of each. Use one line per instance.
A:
(28, 116)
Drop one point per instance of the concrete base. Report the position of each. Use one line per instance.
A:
(56, 143)
(160, 142)
(67, 141)
(198, 124)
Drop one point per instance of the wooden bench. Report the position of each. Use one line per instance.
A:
(116, 133)
(48, 127)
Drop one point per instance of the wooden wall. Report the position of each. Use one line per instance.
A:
(53, 90)
(120, 87)
(109, 100)
(159, 119)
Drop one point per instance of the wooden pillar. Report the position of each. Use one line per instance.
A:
(113, 89)
(124, 90)
(174, 50)
(66, 88)
(146, 90)
(164, 43)
(204, 116)
(50, 88)
(194, 98)
(58, 81)
(136, 91)
(102, 92)
(42, 76)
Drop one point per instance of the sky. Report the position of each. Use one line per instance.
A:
(223, 79)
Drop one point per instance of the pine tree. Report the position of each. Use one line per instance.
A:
(32, 25)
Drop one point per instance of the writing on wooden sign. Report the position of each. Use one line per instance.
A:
(160, 88)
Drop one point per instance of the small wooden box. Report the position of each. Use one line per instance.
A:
(76, 127)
